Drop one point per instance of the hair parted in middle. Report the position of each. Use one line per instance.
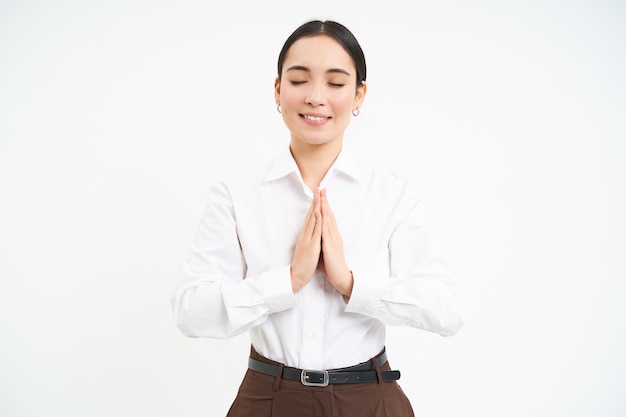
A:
(335, 30)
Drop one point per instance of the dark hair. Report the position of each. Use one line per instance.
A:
(336, 31)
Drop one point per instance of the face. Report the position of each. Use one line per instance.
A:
(317, 91)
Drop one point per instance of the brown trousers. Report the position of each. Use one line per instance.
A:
(263, 395)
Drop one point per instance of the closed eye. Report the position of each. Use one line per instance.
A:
(297, 82)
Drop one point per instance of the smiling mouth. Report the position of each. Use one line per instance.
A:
(314, 118)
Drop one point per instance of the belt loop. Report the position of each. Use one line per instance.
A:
(378, 374)
(279, 375)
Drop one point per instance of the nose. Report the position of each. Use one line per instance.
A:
(315, 95)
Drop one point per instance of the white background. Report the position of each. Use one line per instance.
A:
(116, 116)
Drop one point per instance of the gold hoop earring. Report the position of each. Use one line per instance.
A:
(356, 112)
(278, 109)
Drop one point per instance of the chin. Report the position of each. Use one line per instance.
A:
(317, 140)
(320, 138)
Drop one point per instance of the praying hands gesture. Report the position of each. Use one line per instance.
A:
(320, 243)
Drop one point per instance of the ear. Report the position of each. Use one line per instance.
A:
(360, 95)
(277, 90)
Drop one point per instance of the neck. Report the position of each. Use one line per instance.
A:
(314, 161)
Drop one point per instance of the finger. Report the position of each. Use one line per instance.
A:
(324, 210)
(317, 229)
(311, 218)
(328, 217)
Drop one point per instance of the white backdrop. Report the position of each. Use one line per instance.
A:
(116, 116)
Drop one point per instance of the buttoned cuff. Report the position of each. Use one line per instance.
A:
(277, 290)
(366, 293)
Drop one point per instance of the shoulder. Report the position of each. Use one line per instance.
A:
(247, 179)
(389, 182)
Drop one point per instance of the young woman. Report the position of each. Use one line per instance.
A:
(314, 254)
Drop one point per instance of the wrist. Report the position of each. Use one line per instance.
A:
(296, 283)
(347, 288)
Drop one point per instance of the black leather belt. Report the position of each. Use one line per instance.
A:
(352, 375)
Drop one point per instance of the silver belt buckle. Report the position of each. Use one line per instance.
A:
(306, 375)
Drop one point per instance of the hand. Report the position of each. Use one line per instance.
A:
(333, 260)
(308, 247)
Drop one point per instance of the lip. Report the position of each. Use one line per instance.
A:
(318, 118)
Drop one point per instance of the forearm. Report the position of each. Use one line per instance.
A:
(431, 303)
(216, 307)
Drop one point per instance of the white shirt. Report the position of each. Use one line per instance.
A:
(237, 277)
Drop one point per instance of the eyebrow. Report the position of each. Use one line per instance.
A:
(307, 69)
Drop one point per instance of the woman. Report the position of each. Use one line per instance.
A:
(315, 253)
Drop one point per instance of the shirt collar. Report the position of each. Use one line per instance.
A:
(285, 165)
(346, 164)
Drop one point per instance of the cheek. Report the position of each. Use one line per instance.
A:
(346, 96)
(289, 96)
(345, 101)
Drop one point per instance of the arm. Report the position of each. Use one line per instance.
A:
(212, 298)
(421, 290)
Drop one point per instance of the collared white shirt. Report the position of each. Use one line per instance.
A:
(237, 277)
